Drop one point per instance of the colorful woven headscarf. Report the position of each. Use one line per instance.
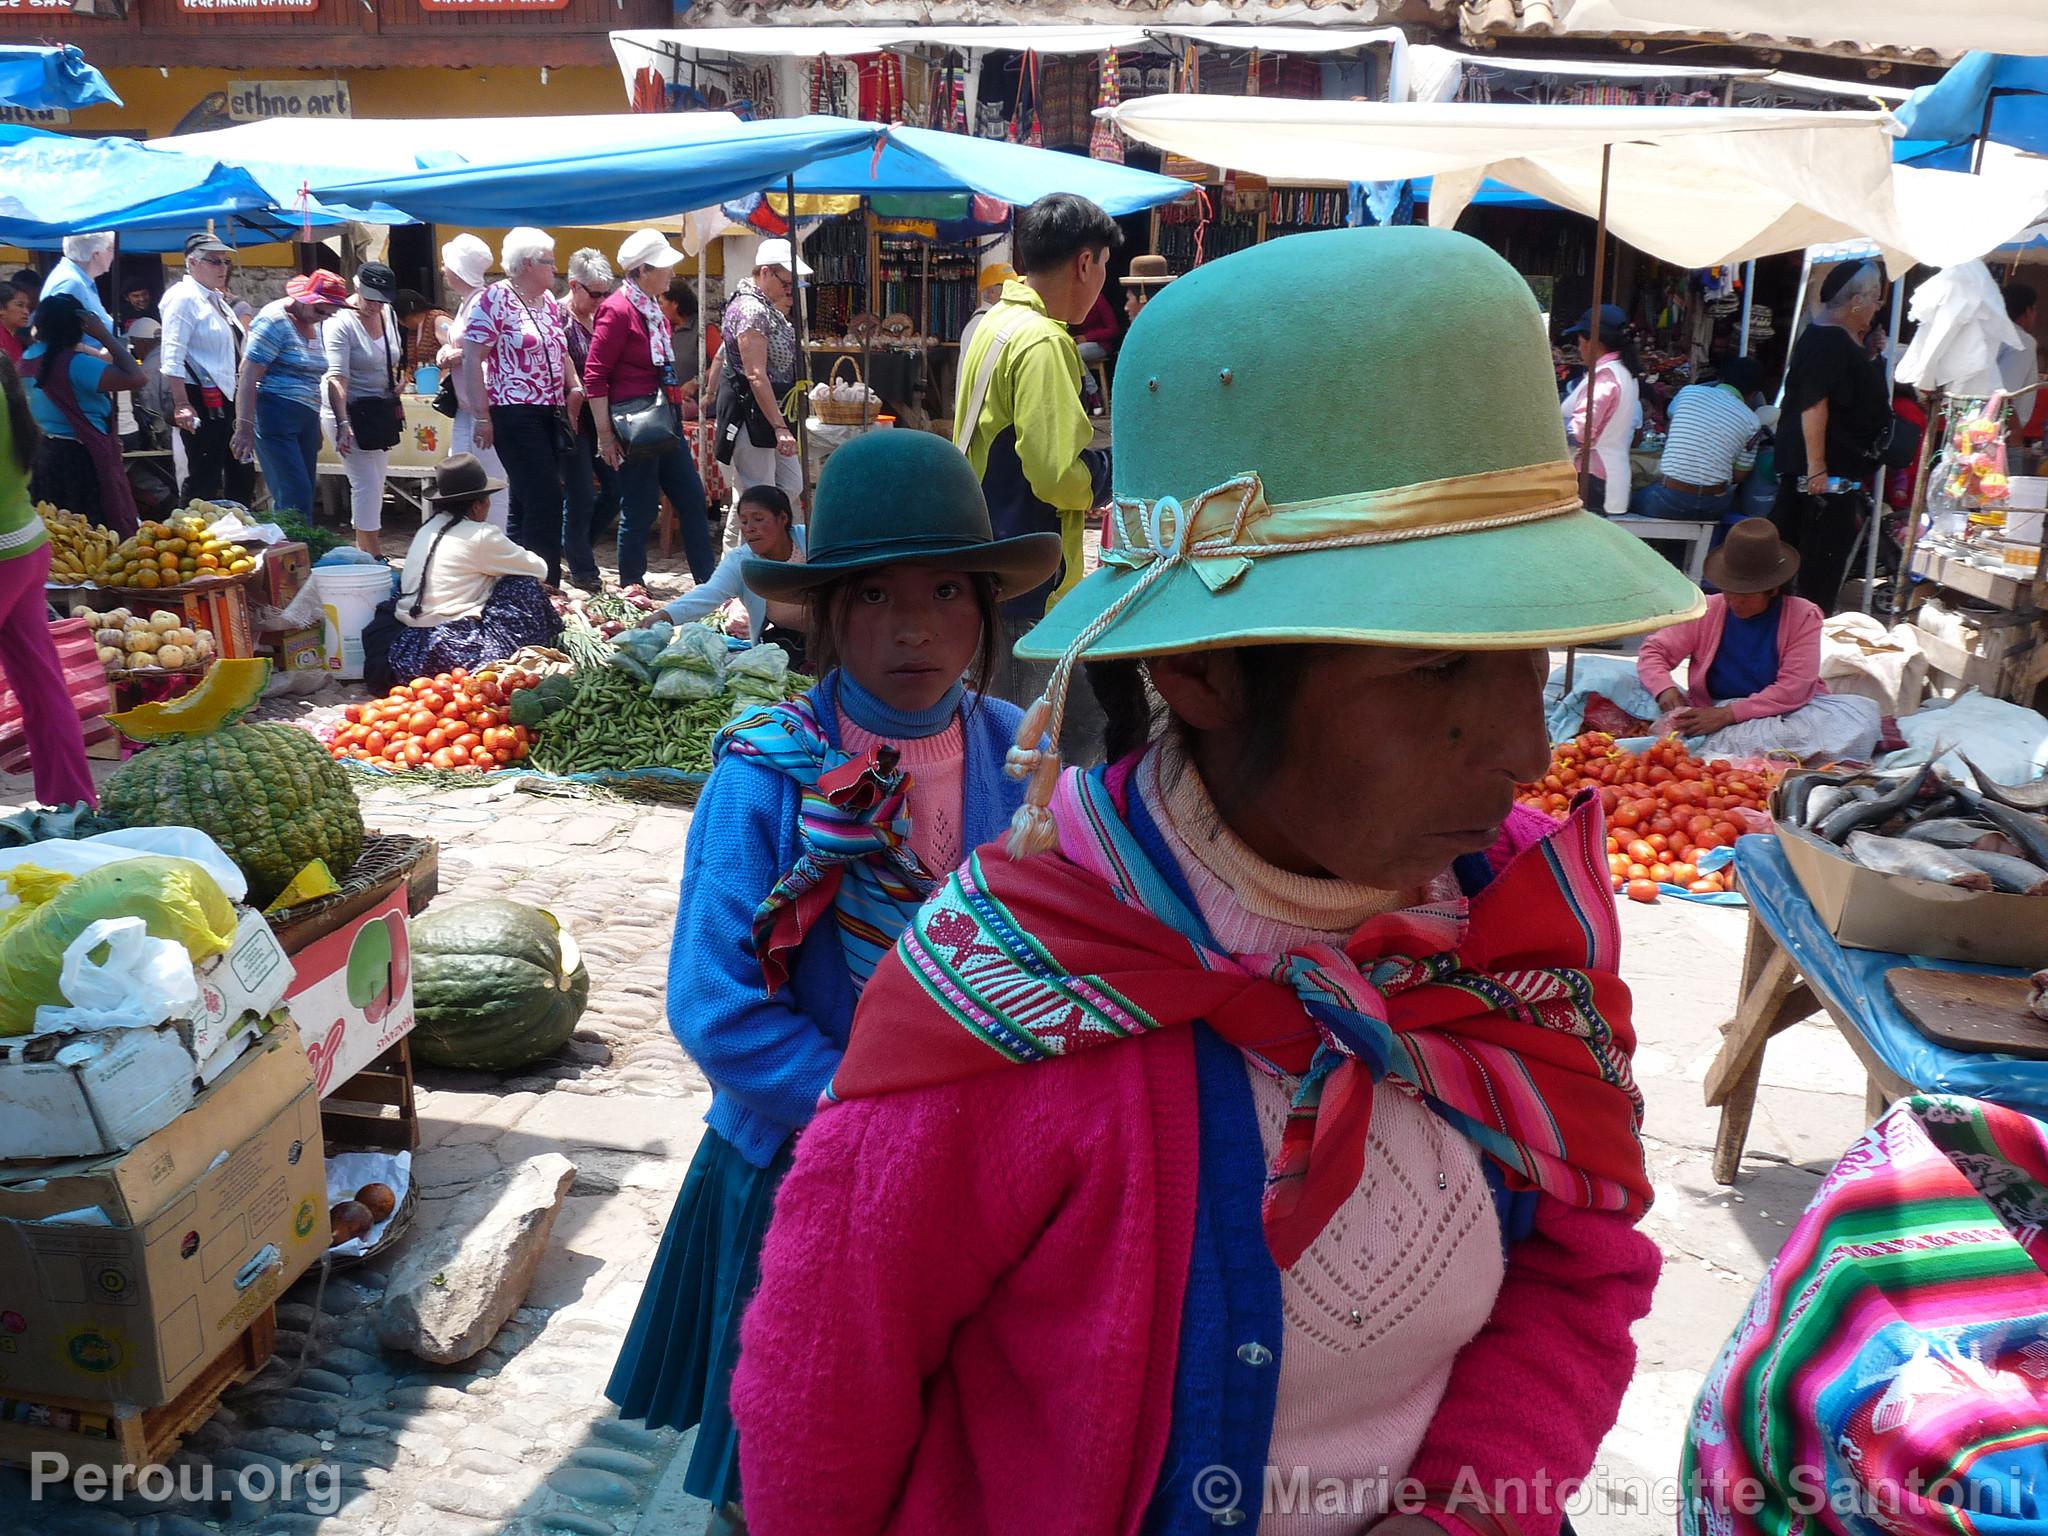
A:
(854, 840)
(1891, 1375)
(1506, 1013)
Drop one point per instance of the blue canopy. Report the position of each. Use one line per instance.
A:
(43, 78)
(826, 155)
(1942, 119)
(52, 185)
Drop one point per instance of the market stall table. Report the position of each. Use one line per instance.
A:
(1697, 534)
(1790, 965)
(409, 472)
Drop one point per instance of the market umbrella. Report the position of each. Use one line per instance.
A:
(42, 78)
(52, 185)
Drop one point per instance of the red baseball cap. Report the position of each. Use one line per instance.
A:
(317, 288)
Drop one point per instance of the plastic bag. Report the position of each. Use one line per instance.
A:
(757, 677)
(683, 685)
(631, 665)
(643, 645)
(695, 646)
(174, 899)
(139, 982)
(77, 855)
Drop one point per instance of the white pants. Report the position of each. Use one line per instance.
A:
(365, 467)
(463, 440)
(753, 466)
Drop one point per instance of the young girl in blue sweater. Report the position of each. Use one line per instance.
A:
(824, 824)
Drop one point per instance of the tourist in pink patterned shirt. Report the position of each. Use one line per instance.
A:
(516, 356)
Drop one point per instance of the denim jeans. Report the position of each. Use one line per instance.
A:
(535, 471)
(287, 448)
(1659, 500)
(642, 484)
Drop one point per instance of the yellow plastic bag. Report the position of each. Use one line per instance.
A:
(175, 898)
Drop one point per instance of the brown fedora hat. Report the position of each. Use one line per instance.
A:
(1148, 272)
(1752, 558)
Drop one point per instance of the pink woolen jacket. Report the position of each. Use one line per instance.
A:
(971, 1297)
(1798, 658)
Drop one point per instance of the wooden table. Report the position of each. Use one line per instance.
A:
(1773, 997)
(1697, 533)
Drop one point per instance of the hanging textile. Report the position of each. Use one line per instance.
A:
(649, 93)
(1105, 143)
(834, 87)
(881, 87)
(1030, 123)
(1067, 89)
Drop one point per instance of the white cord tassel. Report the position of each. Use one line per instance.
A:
(1031, 829)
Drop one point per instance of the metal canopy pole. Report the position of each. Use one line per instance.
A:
(1748, 299)
(1571, 655)
(1891, 363)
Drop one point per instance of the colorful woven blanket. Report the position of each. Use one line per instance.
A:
(1506, 1014)
(1891, 1375)
(854, 837)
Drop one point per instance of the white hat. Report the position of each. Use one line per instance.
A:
(775, 253)
(647, 248)
(468, 258)
(144, 329)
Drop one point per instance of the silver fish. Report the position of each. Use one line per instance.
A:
(2021, 797)
(1919, 861)
(2015, 875)
(1950, 832)
(1847, 818)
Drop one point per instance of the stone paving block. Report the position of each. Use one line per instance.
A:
(653, 1127)
(586, 831)
(457, 1118)
(588, 1486)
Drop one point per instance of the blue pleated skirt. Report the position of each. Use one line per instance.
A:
(675, 1368)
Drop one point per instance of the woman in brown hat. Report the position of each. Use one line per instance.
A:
(1147, 276)
(1754, 681)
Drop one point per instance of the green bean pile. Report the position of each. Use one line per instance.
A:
(613, 723)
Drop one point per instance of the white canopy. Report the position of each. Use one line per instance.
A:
(1947, 26)
(1692, 185)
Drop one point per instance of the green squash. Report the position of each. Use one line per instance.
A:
(495, 985)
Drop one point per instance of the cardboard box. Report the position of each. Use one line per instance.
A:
(353, 993)
(85, 1095)
(122, 1277)
(1989, 674)
(301, 650)
(219, 604)
(282, 573)
(1865, 909)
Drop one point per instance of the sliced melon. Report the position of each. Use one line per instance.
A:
(228, 691)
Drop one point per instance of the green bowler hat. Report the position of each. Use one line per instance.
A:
(1351, 436)
(895, 497)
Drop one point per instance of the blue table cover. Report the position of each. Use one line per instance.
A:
(1853, 981)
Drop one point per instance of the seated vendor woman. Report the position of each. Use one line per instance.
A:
(468, 594)
(768, 531)
(1754, 680)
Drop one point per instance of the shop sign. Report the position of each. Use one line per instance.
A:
(252, 101)
(247, 7)
(36, 117)
(63, 6)
(494, 5)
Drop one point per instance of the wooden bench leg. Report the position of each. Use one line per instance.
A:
(1875, 1100)
(1773, 1000)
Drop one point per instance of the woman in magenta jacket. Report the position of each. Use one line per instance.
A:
(633, 360)
(1754, 682)
(1251, 1140)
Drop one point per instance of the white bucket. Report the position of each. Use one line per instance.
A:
(349, 595)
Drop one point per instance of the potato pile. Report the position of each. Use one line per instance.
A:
(159, 641)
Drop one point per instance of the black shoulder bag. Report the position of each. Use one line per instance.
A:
(378, 421)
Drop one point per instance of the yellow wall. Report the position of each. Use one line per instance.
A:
(155, 101)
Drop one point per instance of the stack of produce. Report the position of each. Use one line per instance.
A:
(172, 553)
(450, 721)
(1665, 808)
(1928, 827)
(611, 613)
(146, 642)
(268, 794)
(77, 548)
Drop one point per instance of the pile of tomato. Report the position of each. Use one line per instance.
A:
(1665, 808)
(453, 720)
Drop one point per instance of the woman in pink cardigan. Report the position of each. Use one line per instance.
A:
(1754, 681)
(1253, 1141)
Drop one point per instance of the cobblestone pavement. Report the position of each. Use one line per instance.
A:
(519, 1441)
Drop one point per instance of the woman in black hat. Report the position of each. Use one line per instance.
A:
(467, 594)
(824, 825)
(365, 352)
(1754, 681)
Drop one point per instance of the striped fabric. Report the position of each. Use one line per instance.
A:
(1713, 436)
(84, 679)
(1505, 1014)
(854, 837)
(1891, 1375)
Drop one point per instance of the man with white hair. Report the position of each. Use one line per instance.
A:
(86, 259)
(201, 361)
(465, 268)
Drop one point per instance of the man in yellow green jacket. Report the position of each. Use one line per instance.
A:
(1018, 414)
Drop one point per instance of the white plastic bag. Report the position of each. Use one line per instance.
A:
(142, 982)
(75, 856)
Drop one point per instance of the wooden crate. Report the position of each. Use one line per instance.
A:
(107, 1435)
(374, 1111)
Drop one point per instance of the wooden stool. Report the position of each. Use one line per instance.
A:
(1101, 372)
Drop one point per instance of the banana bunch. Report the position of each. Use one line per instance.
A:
(78, 549)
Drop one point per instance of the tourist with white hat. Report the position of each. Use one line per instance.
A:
(762, 365)
(628, 375)
(466, 268)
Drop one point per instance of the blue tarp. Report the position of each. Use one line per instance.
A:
(43, 78)
(826, 155)
(52, 185)
(1853, 980)
(1951, 111)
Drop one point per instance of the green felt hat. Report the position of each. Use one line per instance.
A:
(895, 497)
(1351, 436)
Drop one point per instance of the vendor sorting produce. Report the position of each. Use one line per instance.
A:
(768, 531)
(468, 594)
(1753, 685)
